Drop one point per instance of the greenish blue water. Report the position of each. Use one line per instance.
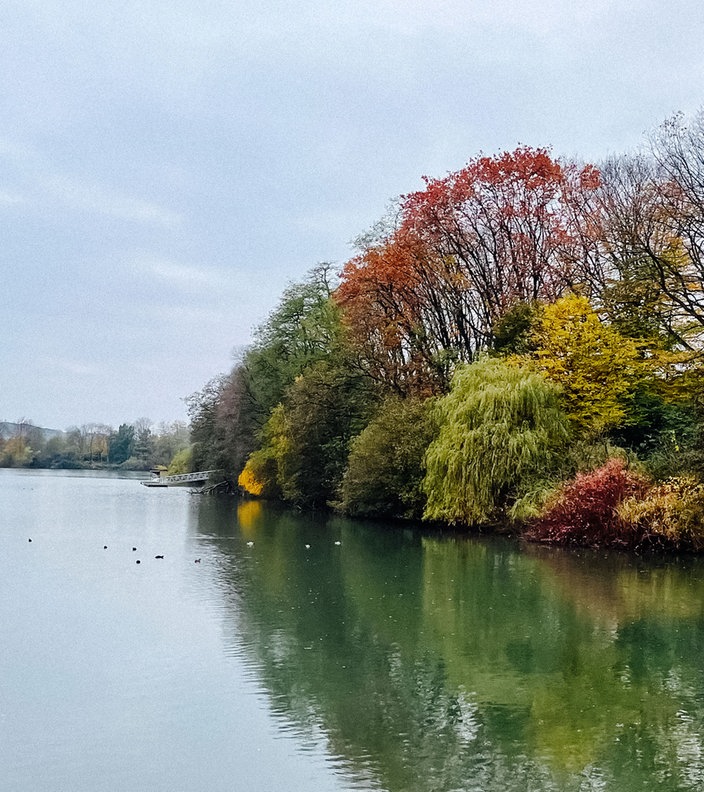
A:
(315, 653)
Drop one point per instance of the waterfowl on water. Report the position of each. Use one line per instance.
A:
(159, 556)
(197, 561)
(133, 549)
(138, 561)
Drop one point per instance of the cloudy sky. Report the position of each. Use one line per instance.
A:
(167, 167)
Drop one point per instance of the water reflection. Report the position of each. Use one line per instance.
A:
(433, 663)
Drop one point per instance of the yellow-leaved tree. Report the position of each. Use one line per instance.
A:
(260, 475)
(597, 368)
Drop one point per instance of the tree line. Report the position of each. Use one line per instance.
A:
(516, 345)
(132, 446)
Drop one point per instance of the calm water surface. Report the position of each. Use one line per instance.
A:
(314, 653)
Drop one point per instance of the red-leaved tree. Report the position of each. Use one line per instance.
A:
(466, 249)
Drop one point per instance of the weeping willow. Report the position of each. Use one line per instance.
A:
(501, 434)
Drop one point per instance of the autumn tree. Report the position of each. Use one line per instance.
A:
(651, 233)
(678, 149)
(89, 442)
(221, 423)
(466, 249)
(505, 226)
(16, 452)
(648, 286)
(93, 442)
(651, 218)
(100, 442)
(597, 369)
(264, 469)
(23, 445)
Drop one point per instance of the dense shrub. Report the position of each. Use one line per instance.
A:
(670, 516)
(679, 449)
(585, 511)
(385, 466)
(665, 435)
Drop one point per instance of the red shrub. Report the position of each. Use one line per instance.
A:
(585, 511)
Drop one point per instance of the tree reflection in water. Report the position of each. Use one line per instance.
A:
(427, 662)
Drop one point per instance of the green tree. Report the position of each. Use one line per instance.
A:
(513, 333)
(181, 463)
(121, 444)
(171, 438)
(501, 436)
(228, 415)
(303, 329)
(385, 468)
(322, 411)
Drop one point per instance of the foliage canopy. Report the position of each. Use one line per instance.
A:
(385, 470)
(597, 368)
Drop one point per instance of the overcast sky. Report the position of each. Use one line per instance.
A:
(167, 167)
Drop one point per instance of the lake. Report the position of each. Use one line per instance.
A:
(272, 650)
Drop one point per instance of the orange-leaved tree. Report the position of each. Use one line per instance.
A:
(464, 251)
